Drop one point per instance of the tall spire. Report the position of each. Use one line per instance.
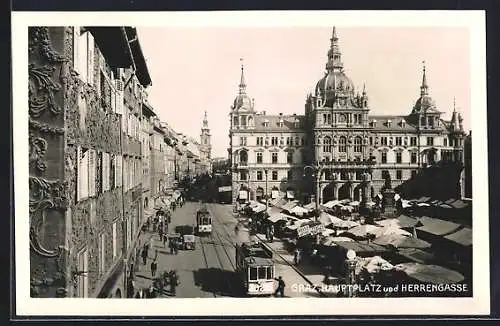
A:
(205, 120)
(424, 88)
(243, 84)
(454, 105)
(334, 55)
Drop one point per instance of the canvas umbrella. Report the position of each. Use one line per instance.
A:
(409, 242)
(362, 231)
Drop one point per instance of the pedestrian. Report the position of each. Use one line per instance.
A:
(296, 256)
(151, 242)
(176, 246)
(171, 246)
(271, 233)
(280, 290)
(156, 254)
(165, 240)
(174, 281)
(146, 247)
(160, 233)
(144, 256)
(154, 267)
(130, 288)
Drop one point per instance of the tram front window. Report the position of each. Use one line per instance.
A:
(262, 273)
(269, 270)
(253, 273)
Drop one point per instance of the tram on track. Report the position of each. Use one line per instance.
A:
(255, 269)
(203, 221)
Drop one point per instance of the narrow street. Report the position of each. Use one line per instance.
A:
(208, 271)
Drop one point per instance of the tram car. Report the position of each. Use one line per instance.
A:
(255, 269)
(203, 221)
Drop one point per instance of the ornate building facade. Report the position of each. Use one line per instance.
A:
(205, 146)
(84, 188)
(338, 149)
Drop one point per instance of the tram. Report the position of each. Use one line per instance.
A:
(203, 221)
(255, 268)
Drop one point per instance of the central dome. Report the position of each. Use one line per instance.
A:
(334, 81)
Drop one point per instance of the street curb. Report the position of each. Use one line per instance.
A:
(294, 268)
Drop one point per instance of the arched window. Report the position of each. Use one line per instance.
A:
(342, 144)
(327, 144)
(243, 157)
(357, 144)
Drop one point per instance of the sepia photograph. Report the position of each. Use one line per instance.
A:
(254, 164)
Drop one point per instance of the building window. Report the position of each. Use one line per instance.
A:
(275, 175)
(259, 175)
(243, 141)
(259, 158)
(288, 141)
(260, 141)
(422, 121)
(274, 158)
(289, 175)
(431, 121)
(383, 141)
(445, 142)
(243, 157)
(114, 237)
(399, 174)
(385, 174)
(102, 260)
(399, 141)
(327, 144)
(289, 157)
(83, 268)
(413, 141)
(371, 141)
(430, 141)
(274, 141)
(243, 175)
(297, 141)
(413, 173)
(358, 145)
(413, 157)
(342, 144)
(399, 157)
(235, 121)
(383, 157)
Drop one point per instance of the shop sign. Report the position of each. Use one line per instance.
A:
(310, 229)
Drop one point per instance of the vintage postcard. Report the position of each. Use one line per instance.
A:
(251, 163)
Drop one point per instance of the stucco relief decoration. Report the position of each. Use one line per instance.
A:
(44, 194)
(41, 90)
(38, 148)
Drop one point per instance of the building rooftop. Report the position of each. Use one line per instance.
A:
(272, 122)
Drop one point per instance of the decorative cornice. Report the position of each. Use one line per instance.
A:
(44, 127)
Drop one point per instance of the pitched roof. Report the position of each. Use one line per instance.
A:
(396, 124)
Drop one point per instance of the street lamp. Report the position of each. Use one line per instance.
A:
(267, 195)
(316, 172)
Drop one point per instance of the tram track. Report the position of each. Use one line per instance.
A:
(202, 245)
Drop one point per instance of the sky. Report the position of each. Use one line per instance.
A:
(194, 69)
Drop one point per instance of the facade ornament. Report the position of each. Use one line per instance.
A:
(45, 128)
(37, 150)
(41, 91)
(46, 194)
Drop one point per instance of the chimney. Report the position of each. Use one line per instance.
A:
(281, 114)
(263, 112)
(295, 114)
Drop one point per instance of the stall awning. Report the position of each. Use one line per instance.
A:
(457, 203)
(332, 203)
(462, 236)
(310, 206)
(430, 273)
(361, 247)
(289, 206)
(416, 255)
(298, 210)
(436, 226)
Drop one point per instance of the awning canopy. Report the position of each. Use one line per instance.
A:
(332, 203)
(462, 236)
(416, 255)
(298, 210)
(436, 226)
(310, 206)
(430, 273)
(361, 247)
(409, 242)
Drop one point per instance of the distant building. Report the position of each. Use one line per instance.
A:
(338, 150)
(205, 147)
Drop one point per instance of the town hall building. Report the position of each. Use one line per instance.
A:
(339, 149)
